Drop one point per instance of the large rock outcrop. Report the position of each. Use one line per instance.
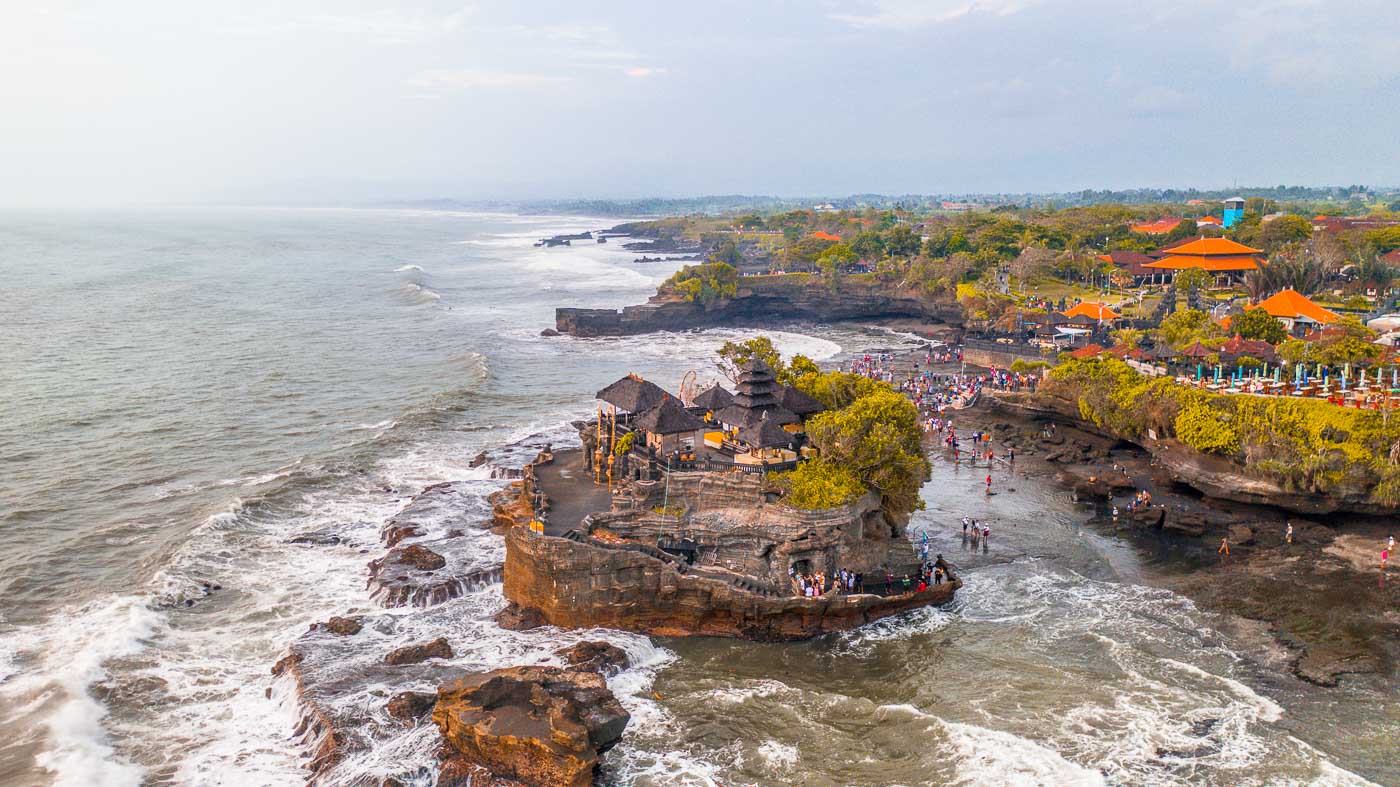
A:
(585, 584)
(536, 725)
(762, 300)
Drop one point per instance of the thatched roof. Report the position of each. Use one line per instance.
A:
(757, 386)
(736, 415)
(800, 403)
(668, 418)
(713, 398)
(766, 433)
(633, 394)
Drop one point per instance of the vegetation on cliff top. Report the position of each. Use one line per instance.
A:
(869, 438)
(703, 283)
(1306, 445)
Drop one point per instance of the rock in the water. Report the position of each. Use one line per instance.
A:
(549, 332)
(410, 706)
(516, 618)
(601, 657)
(343, 627)
(1241, 534)
(417, 654)
(396, 532)
(286, 663)
(421, 558)
(478, 460)
(537, 725)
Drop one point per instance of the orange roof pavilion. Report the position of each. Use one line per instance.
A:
(1292, 305)
(1211, 254)
(1094, 311)
(820, 235)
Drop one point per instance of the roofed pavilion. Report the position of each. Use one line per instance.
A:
(757, 396)
(1223, 258)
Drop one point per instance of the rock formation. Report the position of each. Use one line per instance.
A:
(536, 725)
(417, 654)
(603, 658)
(762, 300)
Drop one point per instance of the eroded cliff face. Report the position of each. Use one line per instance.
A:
(575, 584)
(763, 300)
(1218, 477)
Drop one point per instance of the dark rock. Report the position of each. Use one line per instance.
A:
(549, 332)
(417, 654)
(410, 706)
(601, 657)
(343, 627)
(478, 460)
(1241, 534)
(285, 663)
(537, 725)
(396, 532)
(320, 538)
(1187, 523)
(516, 618)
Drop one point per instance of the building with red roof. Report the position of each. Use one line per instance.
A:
(1094, 311)
(820, 235)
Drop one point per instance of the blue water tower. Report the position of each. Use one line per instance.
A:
(1234, 212)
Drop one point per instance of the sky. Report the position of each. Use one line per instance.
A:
(345, 101)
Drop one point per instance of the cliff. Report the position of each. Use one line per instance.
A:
(764, 300)
(1217, 476)
(581, 584)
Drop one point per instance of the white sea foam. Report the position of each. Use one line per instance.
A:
(988, 756)
(778, 756)
(69, 654)
(403, 268)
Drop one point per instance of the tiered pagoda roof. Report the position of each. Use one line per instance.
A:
(756, 397)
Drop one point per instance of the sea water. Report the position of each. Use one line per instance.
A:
(188, 391)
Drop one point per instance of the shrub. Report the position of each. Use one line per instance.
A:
(817, 484)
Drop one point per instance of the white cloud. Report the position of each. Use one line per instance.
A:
(475, 78)
(904, 14)
(644, 71)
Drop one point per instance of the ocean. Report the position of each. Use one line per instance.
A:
(189, 391)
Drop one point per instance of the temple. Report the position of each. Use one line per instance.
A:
(669, 522)
(1226, 260)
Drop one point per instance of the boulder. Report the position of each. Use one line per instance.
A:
(285, 663)
(410, 706)
(342, 627)
(603, 658)
(417, 654)
(1187, 523)
(1241, 534)
(536, 725)
(549, 332)
(421, 558)
(517, 618)
(478, 460)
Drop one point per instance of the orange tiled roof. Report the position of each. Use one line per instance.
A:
(1293, 305)
(1214, 246)
(1157, 227)
(1087, 351)
(819, 235)
(1209, 220)
(1094, 311)
(1178, 262)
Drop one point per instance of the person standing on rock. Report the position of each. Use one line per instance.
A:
(1224, 547)
(989, 483)
(1288, 534)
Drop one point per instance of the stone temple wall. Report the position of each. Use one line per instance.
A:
(582, 584)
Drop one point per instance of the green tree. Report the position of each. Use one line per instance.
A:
(703, 283)
(901, 241)
(1186, 326)
(1258, 324)
(819, 483)
(1274, 235)
(1192, 277)
(1186, 229)
(868, 245)
(836, 257)
(797, 368)
(879, 439)
(732, 355)
(727, 252)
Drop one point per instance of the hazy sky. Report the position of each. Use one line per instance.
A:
(194, 100)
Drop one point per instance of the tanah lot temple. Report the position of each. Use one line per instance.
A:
(667, 522)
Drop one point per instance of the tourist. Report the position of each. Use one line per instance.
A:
(1288, 534)
(1385, 553)
(1224, 547)
(922, 586)
(906, 583)
(989, 483)
(986, 533)
(889, 583)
